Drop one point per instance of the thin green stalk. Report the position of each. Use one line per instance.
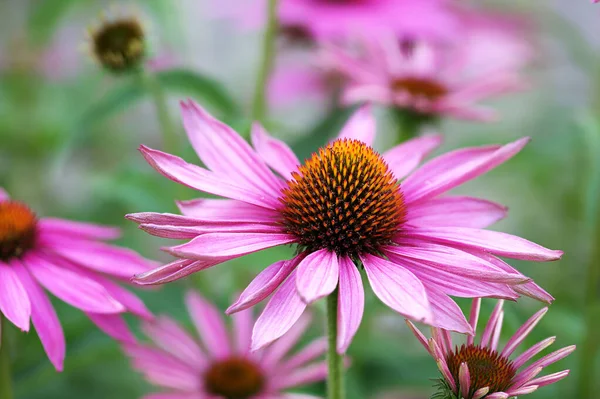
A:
(335, 378)
(259, 110)
(591, 345)
(5, 374)
(169, 135)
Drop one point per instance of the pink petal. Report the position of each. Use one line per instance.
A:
(460, 263)
(113, 325)
(275, 152)
(309, 353)
(264, 284)
(222, 210)
(119, 262)
(495, 318)
(419, 335)
(225, 152)
(78, 229)
(276, 351)
(209, 324)
(531, 352)
(494, 242)
(404, 158)
(242, 330)
(283, 310)
(464, 379)
(454, 168)
(172, 396)
(204, 180)
(317, 275)
(361, 126)
(72, 287)
(455, 211)
(446, 313)
(549, 379)
(14, 300)
(522, 391)
(398, 288)
(497, 395)
(229, 245)
(190, 232)
(44, 318)
(168, 335)
(523, 331)
(351, 303)
(473, 318)
(173, 271)
(303, 376)
(4, 195)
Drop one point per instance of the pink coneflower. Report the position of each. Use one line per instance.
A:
(224, 367)
(338, 19)
(477, 371)
(69, 260)
(345, 211)
(430, 79)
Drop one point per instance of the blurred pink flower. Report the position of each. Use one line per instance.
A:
(67, 259)
(475, 371)
(342, 207)
(224, 367)
(326, 19)
(428, 78)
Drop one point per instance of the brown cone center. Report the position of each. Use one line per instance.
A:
(420, 87)
(17, 229)
(119, 45)
(234, 378)
(345, 199)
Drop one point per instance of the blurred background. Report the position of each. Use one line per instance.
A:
(69, 132)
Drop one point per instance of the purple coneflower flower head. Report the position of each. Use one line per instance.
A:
(345, 211)
(425, 77)
(69, 260)
(223, 366)
(483, 371)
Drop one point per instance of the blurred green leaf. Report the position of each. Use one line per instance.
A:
(44, 18)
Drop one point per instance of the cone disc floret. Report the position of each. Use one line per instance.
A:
(487, 368)
(234, 378)
(420, 87)
(344, 199)
(17, 229)
(119, 45)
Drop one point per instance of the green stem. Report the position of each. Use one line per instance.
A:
(259, 110)
(409, 124)
(591, 345)
(335, 377)
(5, 375)
(159, 98)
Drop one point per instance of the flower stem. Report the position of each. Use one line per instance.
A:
(335, 377)
(157, 93)
(259, 110)
(410, 123)
(591, 345)
(5, 375)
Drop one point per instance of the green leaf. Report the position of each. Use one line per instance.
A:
(44, 18)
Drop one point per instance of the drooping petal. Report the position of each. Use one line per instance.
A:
(309, 353)
(351, 303)
(455, 212)
(405, 157)
(209, 324)
(227, 246)
(225, 152)
(72, 287)
(44, 318)
(275, 352)
(275, 152)
(454, 168)
(264, 284)
(78, 229)
(222, 210)
(14, 301)
(175, 270)
(317, 275)
(283, 310)
(303, 376)
(191, 232)
(113, 325)
(495, 242)
(446, 313)
(398, 288)
(193, 176)
(361, 126)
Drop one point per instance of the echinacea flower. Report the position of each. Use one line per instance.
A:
(482, 371)
(345, 211)
(223, 366)
(69, 260)
(427, 78)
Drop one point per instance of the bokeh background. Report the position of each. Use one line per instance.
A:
(69, 134)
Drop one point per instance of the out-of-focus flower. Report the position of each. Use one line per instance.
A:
(428, 78)
(224, 367)
(478, 371)
(333, 20)
(343, 207)
(69, 260)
